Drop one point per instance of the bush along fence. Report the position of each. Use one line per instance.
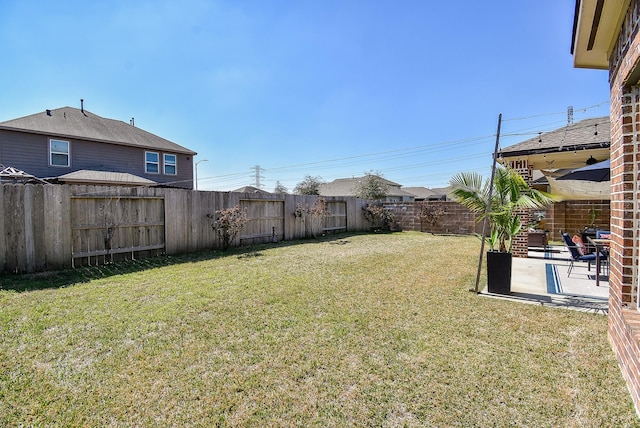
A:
(50, 227)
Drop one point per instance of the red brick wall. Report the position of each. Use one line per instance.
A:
(624, 319)
(456, 219)
(573, 216)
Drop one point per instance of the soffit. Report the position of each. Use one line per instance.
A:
(596, 25)
(561, 160)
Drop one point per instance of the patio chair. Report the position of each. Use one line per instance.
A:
(574, 250)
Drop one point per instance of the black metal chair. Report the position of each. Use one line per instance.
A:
(575, 254)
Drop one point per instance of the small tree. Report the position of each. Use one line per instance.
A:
(379, 217)
(510, 195)
(430, 214)
(309, 186)
(228, 223)
(313, 217)
(280, 188)
(111, 223)
(372, 187)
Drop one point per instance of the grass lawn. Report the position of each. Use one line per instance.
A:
(365, 330)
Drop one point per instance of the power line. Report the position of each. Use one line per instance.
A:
(582, 109)
(415, 152)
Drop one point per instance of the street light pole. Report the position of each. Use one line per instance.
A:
(203, 160)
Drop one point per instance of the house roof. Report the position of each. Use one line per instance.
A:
(347, 187)
(68, 122)
(426, 193)
(577, 136)
(105, 177)
(251, 189)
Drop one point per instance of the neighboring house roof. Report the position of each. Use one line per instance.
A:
(85, 176)
(576, 136)
(251, 189)
(426, 193)
(347, 187)
(68, 122)
(568, 147)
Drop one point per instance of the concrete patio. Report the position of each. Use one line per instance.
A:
(542, 279)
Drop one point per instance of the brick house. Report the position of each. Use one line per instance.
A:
(72, 145)
(606, 36)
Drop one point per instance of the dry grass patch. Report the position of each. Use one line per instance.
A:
(373, 330)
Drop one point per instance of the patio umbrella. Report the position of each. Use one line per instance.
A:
(597, 172)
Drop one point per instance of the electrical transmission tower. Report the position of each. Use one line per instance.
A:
(256, 176)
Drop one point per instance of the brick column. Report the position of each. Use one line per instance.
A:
(623, 281)
(520, 245)
(556, 220)
(624, 318)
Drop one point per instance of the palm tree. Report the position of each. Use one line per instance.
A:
(510, 194)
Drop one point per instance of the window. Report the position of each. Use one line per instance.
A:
(169, 164)
(58, 153)
(151, 162)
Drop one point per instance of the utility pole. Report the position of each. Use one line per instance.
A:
(203, 160)
(257, 176)
(488, 206)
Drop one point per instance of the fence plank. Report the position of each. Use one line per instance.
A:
(14, 227)
(3, 242)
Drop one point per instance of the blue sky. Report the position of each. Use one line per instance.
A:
(411, 89)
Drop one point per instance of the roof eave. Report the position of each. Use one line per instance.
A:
(76, 137)
(595, 29)
(540, 151)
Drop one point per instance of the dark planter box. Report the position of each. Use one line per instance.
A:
(499, 272)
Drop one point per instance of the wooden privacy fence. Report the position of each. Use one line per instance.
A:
(48, 227)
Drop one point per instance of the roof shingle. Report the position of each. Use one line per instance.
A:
(81, 124)
(577, 136)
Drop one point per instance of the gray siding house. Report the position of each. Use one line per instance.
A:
(76, 146)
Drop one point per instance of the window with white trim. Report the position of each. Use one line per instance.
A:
(59, 153)
(151, 162)
(169, 164)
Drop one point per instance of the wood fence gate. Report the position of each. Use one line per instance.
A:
(337, 219)
(265, 221)
(109, 228)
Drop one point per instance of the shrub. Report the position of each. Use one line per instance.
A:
(430, 214)
(313, 217)
(379, 217)
(309, 186)
(228, 223)
(372, 187)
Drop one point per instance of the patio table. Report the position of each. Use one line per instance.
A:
(599, 244)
